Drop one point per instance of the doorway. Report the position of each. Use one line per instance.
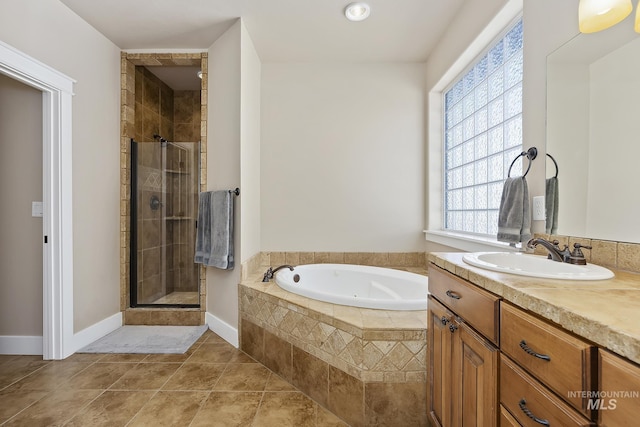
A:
(21, 185)
(57, 228)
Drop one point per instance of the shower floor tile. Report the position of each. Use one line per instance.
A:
(212, 384)
(178, 298)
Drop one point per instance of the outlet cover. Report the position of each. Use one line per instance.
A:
(538, 209)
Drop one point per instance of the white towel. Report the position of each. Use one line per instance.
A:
(514, 217)
(214, 236)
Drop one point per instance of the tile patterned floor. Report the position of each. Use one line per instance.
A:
(213, 384)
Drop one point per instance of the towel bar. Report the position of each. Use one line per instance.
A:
(236, 191)
(531, 154)
(555, 163)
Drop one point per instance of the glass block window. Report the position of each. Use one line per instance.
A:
(483, 135)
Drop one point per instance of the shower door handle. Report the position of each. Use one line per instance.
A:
(154, 203)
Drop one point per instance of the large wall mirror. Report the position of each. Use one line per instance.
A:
(593, 132)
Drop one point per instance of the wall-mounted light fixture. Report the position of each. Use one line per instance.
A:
(199, 73)
(357, 11)
(598, 15)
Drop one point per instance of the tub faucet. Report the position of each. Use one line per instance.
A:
(555, 253)
(268, 275)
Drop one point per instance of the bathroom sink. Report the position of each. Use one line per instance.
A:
(535, 266)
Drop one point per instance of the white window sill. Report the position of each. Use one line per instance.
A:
(467, 243)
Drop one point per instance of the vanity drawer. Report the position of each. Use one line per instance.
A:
(620, 385)
(530, 403)
(561, 361)
(476, 306)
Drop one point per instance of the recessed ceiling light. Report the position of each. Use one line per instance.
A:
(357, 11)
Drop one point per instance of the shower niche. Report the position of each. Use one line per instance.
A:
(165, 181)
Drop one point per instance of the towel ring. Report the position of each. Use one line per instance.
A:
(531, 154)
(555, 163)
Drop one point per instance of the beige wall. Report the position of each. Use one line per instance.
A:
(250, 147)
(342, 157)
(49, 32)
(223, 161)
(234, 155)
(20, 184)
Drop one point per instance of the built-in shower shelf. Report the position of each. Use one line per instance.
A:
(178, 218)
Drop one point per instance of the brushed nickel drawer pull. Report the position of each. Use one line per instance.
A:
(453, 328)
(453, 295)
(444, 320)
(528, 350)
(528, 413)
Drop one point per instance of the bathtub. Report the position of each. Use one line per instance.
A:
(357, 286)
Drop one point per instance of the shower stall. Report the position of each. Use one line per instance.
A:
(165, 181)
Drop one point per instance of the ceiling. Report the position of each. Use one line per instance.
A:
(281, 30)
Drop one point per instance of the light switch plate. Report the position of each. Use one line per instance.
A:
(538, 209)
(37, 210)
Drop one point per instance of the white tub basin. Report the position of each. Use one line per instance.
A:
(535, 266)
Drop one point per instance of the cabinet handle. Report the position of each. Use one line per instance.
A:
(528, 413)
(528, 350)
(444, 320)
(453, 327)
(453, 295)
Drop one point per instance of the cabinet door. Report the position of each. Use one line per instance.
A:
(439, 363)
(618, 403)
(474, 378)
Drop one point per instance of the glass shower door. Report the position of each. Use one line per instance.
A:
(164, 202)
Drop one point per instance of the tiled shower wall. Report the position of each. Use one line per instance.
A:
(179, 116)
(153, 115)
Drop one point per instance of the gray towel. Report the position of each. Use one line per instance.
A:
(214, 236)
(514, 217)
(551, 205)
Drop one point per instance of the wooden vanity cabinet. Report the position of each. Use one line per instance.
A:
(619, 401)
(491, 363)
(463, 364)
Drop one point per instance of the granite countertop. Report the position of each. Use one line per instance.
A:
(606, 312)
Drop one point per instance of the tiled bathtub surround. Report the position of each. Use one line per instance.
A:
(366, 366)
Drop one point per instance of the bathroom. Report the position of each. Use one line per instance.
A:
(379, 197)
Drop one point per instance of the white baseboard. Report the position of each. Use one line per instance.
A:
(23, 345)
(222, 328)
(96, 331)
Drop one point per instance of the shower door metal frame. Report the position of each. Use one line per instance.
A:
(133, 239)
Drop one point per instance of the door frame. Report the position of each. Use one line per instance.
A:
(57, 227)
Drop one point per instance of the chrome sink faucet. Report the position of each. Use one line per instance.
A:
(268, 275)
